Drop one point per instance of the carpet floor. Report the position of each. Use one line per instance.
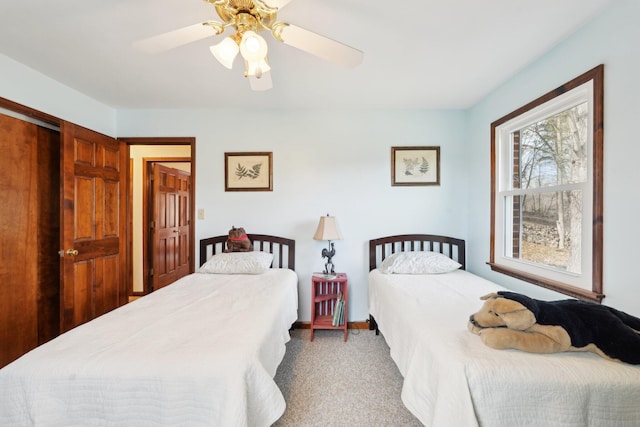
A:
(329, 382)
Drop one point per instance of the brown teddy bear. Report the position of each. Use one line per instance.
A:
(511, 320)
(238, 241)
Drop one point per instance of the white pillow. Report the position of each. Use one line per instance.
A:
(254, 262)
(418, 263)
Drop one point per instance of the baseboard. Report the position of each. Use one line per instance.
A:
(350, 325)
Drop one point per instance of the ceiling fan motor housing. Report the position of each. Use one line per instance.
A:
(245, 15)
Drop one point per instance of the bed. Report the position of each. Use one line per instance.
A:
(202, 351)
(452, 379)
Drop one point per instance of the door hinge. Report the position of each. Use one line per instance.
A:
(152, 225)
(151, 272)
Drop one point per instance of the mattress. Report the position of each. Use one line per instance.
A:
(452, 378)
(202, 351)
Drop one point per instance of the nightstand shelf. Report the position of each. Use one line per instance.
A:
(326, 291)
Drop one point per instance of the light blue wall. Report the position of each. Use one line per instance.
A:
(336, 162)
(611, 39)
(33, 89)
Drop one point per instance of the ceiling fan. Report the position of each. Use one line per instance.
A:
(248, 18)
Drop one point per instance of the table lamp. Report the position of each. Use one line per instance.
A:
(328, 230)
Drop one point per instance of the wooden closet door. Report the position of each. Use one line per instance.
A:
(93, 238)
(18, 238)
(29, 236)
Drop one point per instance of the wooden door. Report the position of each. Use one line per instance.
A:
(18, 241)
(29, 236)
(93, 228)
(170, 199)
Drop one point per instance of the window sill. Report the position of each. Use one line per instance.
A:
(572, 291)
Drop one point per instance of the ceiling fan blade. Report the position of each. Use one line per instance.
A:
(262, 83)
(318, 45)
(176, 38)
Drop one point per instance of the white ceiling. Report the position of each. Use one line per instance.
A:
(417, 53)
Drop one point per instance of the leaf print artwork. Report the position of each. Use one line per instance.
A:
(409, 165)
(424, 166)
(415, 166)
(253, 173)
(248, 171)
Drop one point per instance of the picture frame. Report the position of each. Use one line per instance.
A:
(415, 166)
(248, 171)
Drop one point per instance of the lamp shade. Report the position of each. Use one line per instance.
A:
(257, 68)
(253, 47)
(327, 229)
(225, 51)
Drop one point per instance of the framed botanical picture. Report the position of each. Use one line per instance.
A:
(415, 166)
(248, 171)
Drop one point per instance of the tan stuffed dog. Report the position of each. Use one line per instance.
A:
(510, 320)
(238, 241)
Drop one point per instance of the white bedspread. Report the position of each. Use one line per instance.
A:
(452, 379)
(202, 351)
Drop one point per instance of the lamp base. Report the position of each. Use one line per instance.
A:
(328, 254)
(329, 268)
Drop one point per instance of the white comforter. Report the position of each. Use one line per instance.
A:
(202, 351)
(452, 379)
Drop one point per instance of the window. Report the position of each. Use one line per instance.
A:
(546, 189)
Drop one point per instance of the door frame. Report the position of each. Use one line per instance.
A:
(30, 112)
(129, 141)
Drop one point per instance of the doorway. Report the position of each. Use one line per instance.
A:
(143, 153)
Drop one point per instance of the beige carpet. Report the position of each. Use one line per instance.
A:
(328, 382)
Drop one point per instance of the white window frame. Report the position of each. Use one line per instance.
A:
(588, 284)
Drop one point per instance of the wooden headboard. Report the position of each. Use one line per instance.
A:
(382, 247)
(283, 249)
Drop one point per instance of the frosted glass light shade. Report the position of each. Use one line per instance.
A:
(257, 68)
(225, 51)
(253, 47)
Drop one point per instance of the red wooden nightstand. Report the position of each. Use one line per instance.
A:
(326, 291)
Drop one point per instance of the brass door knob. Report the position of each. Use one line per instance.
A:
(73, 252)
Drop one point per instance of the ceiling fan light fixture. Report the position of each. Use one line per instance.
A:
(249, 18)
(225, 51)
(253, 47)
(256, 68)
